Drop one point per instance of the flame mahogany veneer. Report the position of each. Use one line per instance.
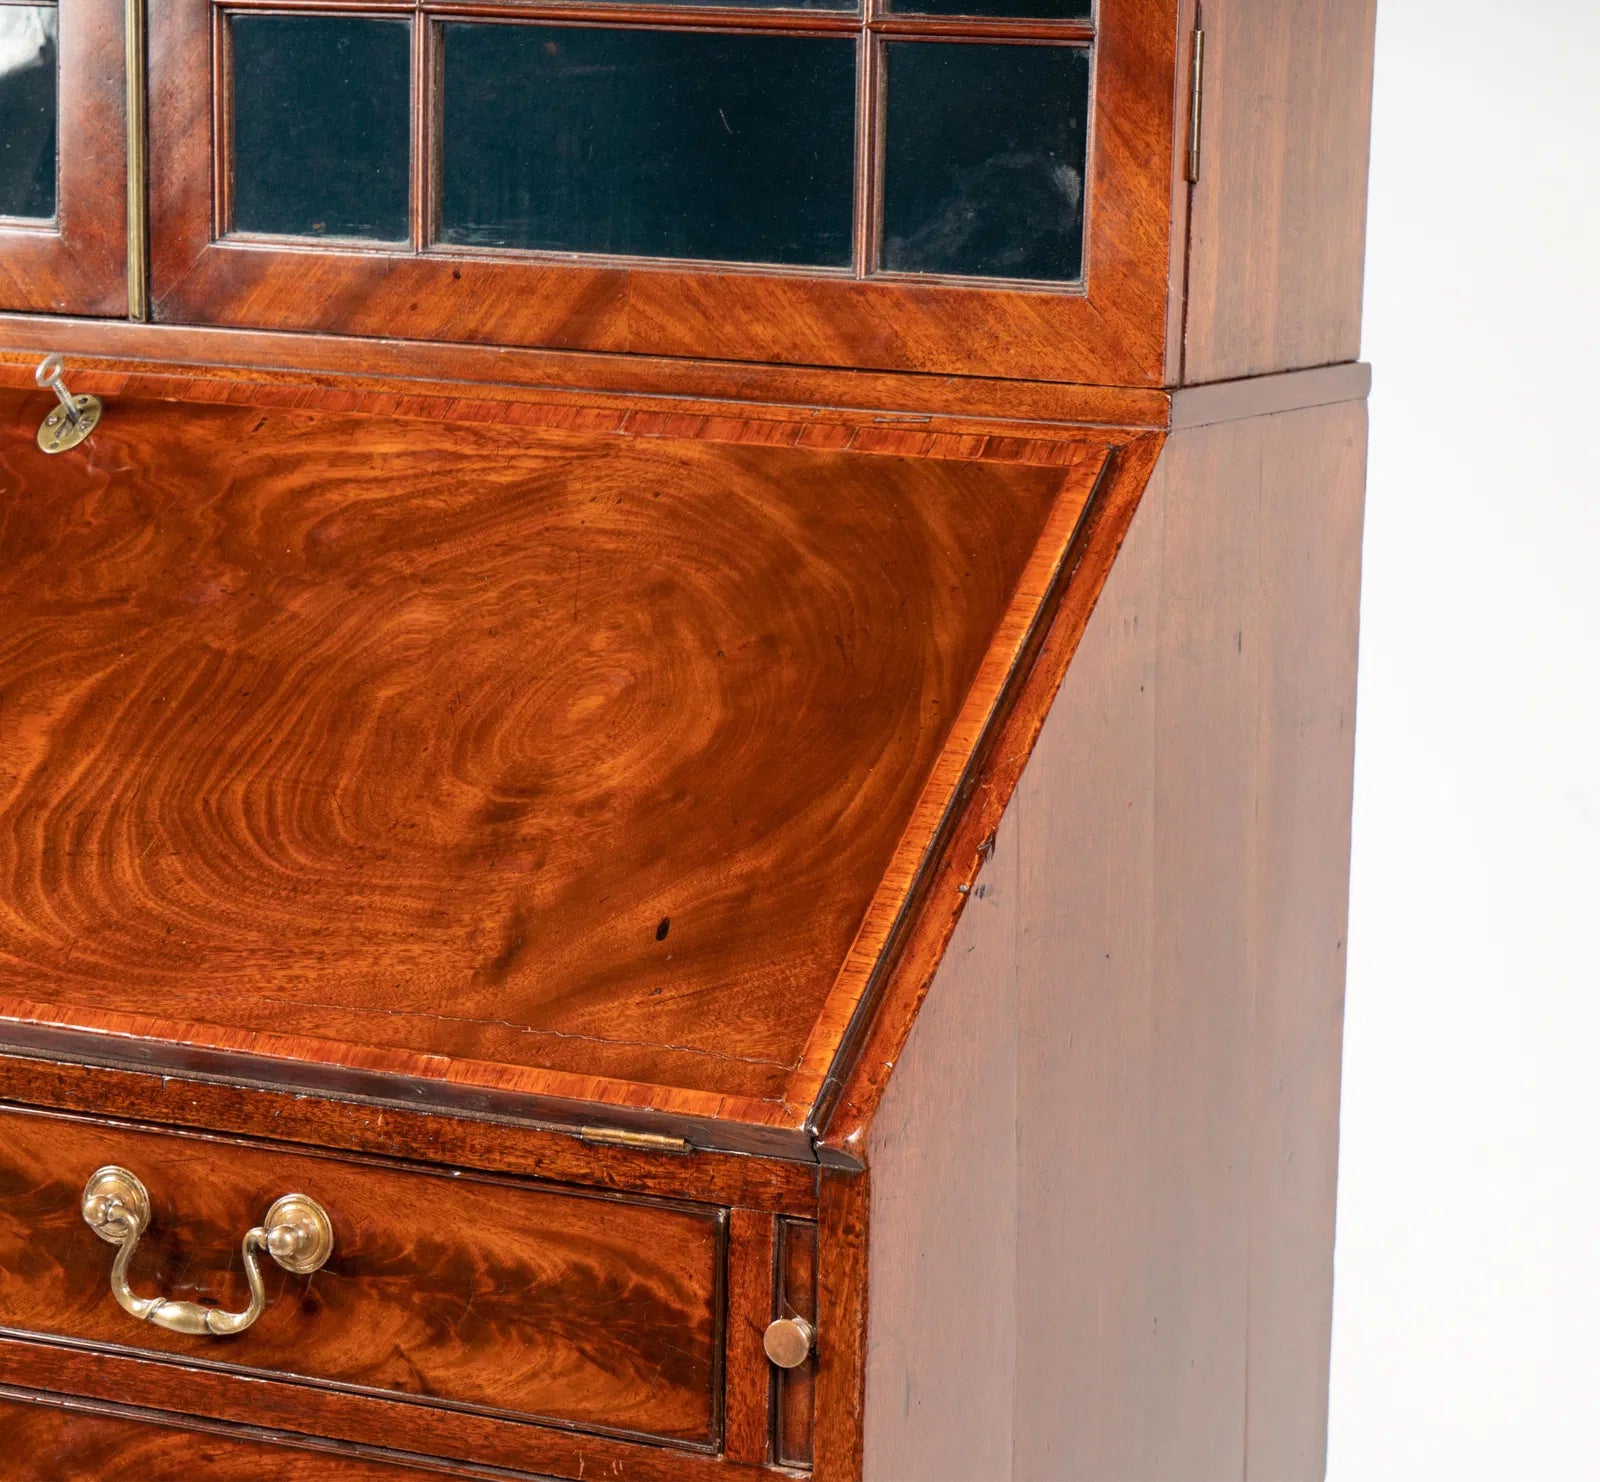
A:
(670, 798)
(576, 764)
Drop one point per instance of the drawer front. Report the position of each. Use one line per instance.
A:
(50, 1443)
(588, 1311)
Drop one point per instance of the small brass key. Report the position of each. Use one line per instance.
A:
(72, 421)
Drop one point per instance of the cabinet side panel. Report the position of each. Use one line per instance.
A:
(1152, 981)
(1184, 855)
(941, 1311)
(1313, 482)
(1278, 230)
(1114, 1307)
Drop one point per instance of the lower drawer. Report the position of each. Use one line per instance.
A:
(588, 1311)
(48, 1442)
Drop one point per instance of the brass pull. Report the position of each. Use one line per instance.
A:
(72, 421)
(296, 1233)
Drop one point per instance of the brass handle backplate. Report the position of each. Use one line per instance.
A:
(296, 1233)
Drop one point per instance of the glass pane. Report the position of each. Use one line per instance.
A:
(322, 126)
(28, 111)
(984, 160)
(709, 145)
(1043, 10)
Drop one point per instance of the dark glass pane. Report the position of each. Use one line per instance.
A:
(322, 126)
(984, 160)
(710, 145)
(28, 111)
(1043, 10)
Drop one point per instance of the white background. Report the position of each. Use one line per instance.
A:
(1467, 1300)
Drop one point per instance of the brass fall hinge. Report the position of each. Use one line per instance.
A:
(1197, 92)
(624, 1137)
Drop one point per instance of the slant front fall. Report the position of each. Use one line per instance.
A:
(583, 755)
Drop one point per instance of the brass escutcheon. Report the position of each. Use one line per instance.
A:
(72, 421)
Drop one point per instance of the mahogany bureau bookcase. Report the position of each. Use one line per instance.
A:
(676, 698)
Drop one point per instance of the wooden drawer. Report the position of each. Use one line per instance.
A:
(48, 1441)
(471, 1293)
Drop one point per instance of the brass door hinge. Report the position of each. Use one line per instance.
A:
(1197, 92)
(623, 1137)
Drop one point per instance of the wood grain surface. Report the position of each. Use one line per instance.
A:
(504, 1298)
(838, 1390)
(1277, 236)
(415, 367)
(46, 1439)
(466, 1437)
(489, 1143)
(866, 1060)
(453, 699)
(587, 763)
(77, 264)
(941, 1361)
(795, 1389)
(1112, 329)
(1106, 1158)
(747, 1406)
(500, 406)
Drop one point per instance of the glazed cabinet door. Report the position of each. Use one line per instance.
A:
(895, 184)
(63, 157)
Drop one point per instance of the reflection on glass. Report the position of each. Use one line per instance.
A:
(984, 158)
(322, 126)
(708, 145)
(28, 111)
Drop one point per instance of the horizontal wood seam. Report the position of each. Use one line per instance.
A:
(311, 360)
(1270, 395)
(386, 1129)
(993, 436)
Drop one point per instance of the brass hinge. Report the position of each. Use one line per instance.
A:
(1197, 92)
(623, 1137)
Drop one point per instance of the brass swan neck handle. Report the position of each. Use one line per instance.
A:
(296, 1233)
